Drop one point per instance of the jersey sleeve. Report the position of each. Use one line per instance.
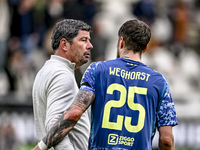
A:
(166, 114)
(88, 80)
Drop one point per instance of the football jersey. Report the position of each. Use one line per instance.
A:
(131, 100)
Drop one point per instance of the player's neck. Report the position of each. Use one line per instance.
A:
(133, 56)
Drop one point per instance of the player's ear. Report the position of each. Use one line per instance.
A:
(145, 49)
(64, 44)
(122, 43)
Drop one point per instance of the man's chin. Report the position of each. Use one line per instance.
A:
(85, 60)
(81, 63)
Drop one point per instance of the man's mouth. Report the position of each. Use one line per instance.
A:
(87, 55)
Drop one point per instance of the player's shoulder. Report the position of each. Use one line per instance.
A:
(100, 63)
(104, 65)
(153, 71)
(155, 75)
(108, 62)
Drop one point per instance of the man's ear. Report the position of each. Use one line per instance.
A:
(64, 44)
(145, 49)
(121, 43)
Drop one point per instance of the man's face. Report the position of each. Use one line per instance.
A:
(80, 48)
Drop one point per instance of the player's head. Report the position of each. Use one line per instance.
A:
(68, 29)
(136, 35)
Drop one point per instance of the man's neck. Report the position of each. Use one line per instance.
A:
(135, 57)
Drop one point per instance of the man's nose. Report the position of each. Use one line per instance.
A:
(90, 46)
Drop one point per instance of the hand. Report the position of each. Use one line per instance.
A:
(36, 148)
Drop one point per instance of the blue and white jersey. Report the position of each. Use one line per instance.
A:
(131, 101)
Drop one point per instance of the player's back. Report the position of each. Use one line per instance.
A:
(124, 111)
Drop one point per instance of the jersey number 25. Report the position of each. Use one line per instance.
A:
(132, 90)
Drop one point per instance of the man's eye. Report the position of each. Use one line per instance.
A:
(83, 40)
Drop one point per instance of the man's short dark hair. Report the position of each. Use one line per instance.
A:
(68, 29)
(136, 35)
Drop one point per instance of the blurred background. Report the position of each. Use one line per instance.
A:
(174, 50)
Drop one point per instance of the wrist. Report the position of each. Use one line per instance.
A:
(42, 145)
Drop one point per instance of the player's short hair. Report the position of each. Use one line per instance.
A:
(68, 29)
(136, 35)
